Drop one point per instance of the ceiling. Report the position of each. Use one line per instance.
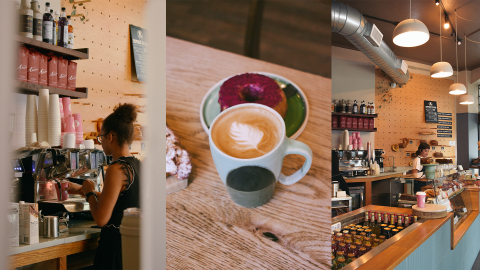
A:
(386, 13)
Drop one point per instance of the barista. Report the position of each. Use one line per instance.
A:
(422, 152)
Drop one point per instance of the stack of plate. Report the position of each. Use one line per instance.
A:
(42, 134)
(54, 124)
(31, 119)
(77, 122)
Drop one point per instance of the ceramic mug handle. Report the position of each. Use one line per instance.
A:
(296, 147)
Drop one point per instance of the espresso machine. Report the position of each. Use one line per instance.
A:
(353, 163)
(43, 170)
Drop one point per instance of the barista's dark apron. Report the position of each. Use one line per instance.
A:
(109, 251)
(419, 184)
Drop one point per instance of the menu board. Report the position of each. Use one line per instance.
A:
(444, 127)
(444, 114)
(444, 135)
(444, 118)
(444, 123)
(138, 47)
(443, 131)
(431, 115)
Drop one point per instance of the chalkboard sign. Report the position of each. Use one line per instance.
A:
(444, 131)
(444, 118)
(444, 123)
(431, 115)
(445, 114)
(444, 127)
(138, 47)
(444, 135)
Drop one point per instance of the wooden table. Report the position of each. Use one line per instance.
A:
(205, 229)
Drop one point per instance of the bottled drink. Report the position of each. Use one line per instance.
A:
(368, 233)
(353, 231)
(355, 107)
(399, 221)
(372, 220)
(353, 250)
(392, 219)
(56, 17)
(348, 237)
(339, 238)
(362, 108)
(381, 238)
(37, 20)
(48, 25)
(362, 251)
(376, 242)
(348, 107)
(344, 107)
(348, 243)
(382, 228)
(70, 33)
(26, 20)
(373, 108)
(351, 258)
(341, 263)
(368, 247)
(366, 222)
(363, 235)
(387, 233)
(334, 106)
(415, 219)
(368, 107)
(62, 37)
(340, 255)
(385, 218)
(407, 222)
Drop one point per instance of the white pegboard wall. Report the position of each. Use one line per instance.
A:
(404, 117)
(107, 72)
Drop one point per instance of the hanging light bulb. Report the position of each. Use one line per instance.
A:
(441, 69)
(437, 2)
(410, 32)
(446, 25)
(457, 88)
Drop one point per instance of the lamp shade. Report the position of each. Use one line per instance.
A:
(457, 89)
(410, 33)
(441, 70)
(466, 99)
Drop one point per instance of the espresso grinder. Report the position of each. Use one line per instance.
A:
(379, 158)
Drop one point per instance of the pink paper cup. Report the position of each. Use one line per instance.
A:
(67, 107)
(69, 125)
(421, 199)
(77, 122)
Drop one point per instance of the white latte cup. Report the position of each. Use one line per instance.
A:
(251, 182)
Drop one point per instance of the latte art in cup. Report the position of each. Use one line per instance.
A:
(247, 132)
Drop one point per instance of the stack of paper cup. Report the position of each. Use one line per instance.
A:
(69, 128)
(31, 119)
(69, 140)
(54, 124)
(67, 107)
(77, 122)
(42, 123)
(89, 144)
(62, 119)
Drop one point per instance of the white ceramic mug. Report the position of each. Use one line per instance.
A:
(272, 161)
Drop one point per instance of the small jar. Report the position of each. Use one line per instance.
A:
(381, 238)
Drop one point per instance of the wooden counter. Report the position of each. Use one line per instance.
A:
(205, 229)
(368, 183)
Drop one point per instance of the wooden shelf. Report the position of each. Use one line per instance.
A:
(351, 129)
(356, 115)
(34, 89)
(43, 47)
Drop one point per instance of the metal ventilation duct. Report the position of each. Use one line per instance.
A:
(350, 23)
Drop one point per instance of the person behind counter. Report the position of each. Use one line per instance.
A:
(417, 167)
(120, 188)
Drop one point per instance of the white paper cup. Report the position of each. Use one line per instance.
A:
(69, 140)
(89, 144)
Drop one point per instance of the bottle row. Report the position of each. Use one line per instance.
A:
(47, 27)
(343, 106)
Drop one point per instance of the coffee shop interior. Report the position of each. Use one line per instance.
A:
(100, 48)
(392, 96)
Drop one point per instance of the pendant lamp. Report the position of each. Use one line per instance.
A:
(441, 69)
(466, 99)
(457, 88)
(410, 32)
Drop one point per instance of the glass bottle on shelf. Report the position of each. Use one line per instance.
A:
(70, 33)
(334, 105)
(362, 108)
(344, 107)
(54, 28)
(372, 108)
(47, 24)
(348, 107)
(355, 107)
(37, 20)
(26, 20)
(62, 36)
(368, 107)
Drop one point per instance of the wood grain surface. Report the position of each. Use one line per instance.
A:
(396, 253)
(44, 254)
(205, 229)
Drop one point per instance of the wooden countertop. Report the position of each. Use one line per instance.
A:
(205, 229)
(372, 178)
(396, 253)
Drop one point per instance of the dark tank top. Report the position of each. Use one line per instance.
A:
(109, 251)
